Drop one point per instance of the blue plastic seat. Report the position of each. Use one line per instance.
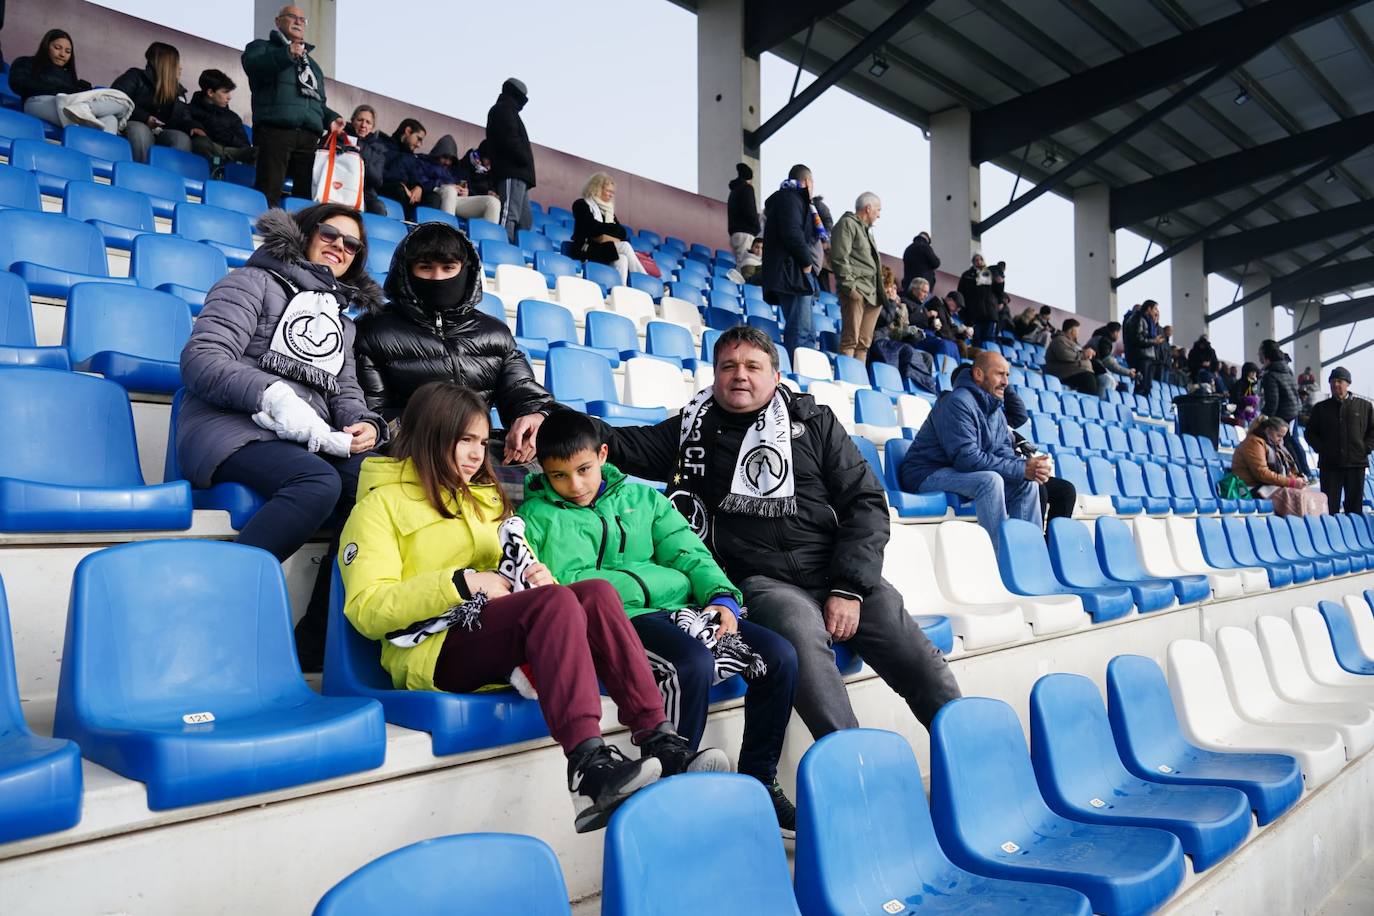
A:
(553, 265)
(1355, 532)
(1183, 500)
(886, 378)
(603, 275)
(612, 332)
(992, 820)
(721, 319)
(581, 379)
(1282, 539)
(184, 268)
(908, 505)
(1075, 561)
(456, 722)
(120, 215)
(539, 325)
(105, 149)
(668, 340)
(1151, 744)
(51, 252)
(243, 174)
(1095, 435)
(15, 125)
(496, 252)
(865, 838)
(393, 208)
(129, 335)
(17, 344)
(1206, 494)
(40, 778)
(767, 326)
(662, 827)
(227, 195)
(164, 189)
(379, 255)
(19, 189)
(194, 170)
(1024, 561)
(1330, 527)
(1116, 551)
(435, 215)
(1157, 486)
(234, 498)
(1307, 547)
(75, 468)
(1343, 639)
(53, 166)
(1081, 777)
(473, 873)
(646, 283)
(232, 716)
(1102, 476)
(480, 230)
(529, 240)
(227, 230)
(385, 229)
(1248, 551)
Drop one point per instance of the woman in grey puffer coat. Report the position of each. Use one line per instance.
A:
(1279, 397)
(272, 400)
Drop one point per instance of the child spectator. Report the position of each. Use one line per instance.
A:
(589, 522)
(420, 575)
(225, 140)
(751, 261)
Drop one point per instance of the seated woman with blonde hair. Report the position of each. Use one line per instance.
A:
(597, 234)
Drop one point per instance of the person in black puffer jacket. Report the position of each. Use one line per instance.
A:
(225, 139)
(1279, 397)
(742, 211)
(512, 157)
(161, 115)
(431, 330)
(50, 74)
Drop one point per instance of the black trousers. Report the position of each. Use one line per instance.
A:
(1144, 376)
(1058, 498)
(1350, 481)
(284, 152)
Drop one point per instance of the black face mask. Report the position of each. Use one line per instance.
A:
(438, 294)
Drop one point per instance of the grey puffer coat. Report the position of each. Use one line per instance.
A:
(220, 363)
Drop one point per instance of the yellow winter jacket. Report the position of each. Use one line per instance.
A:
(397, 557)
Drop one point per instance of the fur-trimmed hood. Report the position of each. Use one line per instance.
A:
(283, 250)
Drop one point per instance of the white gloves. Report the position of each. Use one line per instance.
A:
(285, 413)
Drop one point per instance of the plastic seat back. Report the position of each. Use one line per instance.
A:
(16, 312)
(1282, 536)
(108, 317)
(86, 201)
(662, 338)
(1156, 480)
(203, 223)
(610, 331)
(147, 179)
(1302, 537)
(1355, 533)
(19, 188)
(1095, 435)
(15, 125)
(1072, 749)
(1116, 550)
(812, 363)
(1344, 640)
(1144, 725)
(1073, 556)
(874, 408)
(544, 321)
(603, 275)
(162, 260)
(251, 202)
(1024, 559)
(51, 240)
(578, 375)
(653, 382)
(551, 262)
(474, 873)
(1071, 468)
(649, 284)
(1102, 476)
(58, 161)
(1131, 478)
(495, 252)
(660, 827)
(533, 241)
(1200, 483)
(1071, 434)
(479, 230)
(1244, 547)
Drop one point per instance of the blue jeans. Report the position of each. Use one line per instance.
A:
(801, 324)
(994, 497)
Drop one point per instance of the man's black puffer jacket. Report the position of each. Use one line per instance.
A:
(403, 345)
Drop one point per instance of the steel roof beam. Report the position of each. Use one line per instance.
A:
(767, 24)
(1252, 244)
(1311, 281)
(1335, 315)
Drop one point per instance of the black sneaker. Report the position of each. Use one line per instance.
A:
(673, 752)
(601, 777)
(785, 810)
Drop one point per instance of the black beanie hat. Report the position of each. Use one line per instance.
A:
(744, 171)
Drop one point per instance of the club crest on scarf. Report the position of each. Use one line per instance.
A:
(308, 342)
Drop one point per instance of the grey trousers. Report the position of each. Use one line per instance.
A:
(141, 139)
(515, 206)
(887, 639)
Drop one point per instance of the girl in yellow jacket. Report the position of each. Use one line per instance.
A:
(419, 559)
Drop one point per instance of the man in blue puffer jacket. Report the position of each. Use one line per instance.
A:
(965, 447)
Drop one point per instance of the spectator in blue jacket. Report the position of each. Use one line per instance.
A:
(403, 181)
(966, 447)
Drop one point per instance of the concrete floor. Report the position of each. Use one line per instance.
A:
(1355, 895)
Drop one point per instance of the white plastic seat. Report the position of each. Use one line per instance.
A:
(578, 296)
(966, 572)
(812, 363)
(1253, 696)
(705, 377)
(680, 311)
(515, 283)
(1157, 556)
(1315, 641)
(912, 411)
(1288, 672)
(908, 565)
(834, 396)
(1362, 620)
(651, 382)
(1187, 550)
(1208, 719)
(634, 304)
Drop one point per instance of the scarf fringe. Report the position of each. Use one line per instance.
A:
(466, 616)
(754, 505)
(297, 371)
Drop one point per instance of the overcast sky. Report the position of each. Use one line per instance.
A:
(643, 121)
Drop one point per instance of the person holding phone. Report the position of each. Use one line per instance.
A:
(458, 184)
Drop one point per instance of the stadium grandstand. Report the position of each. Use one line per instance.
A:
(1161, 700)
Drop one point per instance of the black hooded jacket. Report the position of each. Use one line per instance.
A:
(404, 345)
(29, 79)
(140, 85)
(509, 144)
(742, 209)
(919, 260)
(222, 125)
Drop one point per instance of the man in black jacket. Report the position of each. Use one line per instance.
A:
(919, 260)
(512, 157)
(797, 520)
(788, 275)
(980, 303)
(1341, 431)
(742, 211)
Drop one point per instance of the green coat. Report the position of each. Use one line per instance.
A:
(272, 79)
(854, 260)
(631, 536)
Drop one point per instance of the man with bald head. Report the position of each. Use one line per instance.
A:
(289, 113)
(965, 447)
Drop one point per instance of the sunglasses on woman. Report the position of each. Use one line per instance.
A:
(329, 235)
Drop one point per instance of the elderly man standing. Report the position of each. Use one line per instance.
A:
(1341, 432)
(965, 447)
(858, 275)
(790, 508)
(289, 112)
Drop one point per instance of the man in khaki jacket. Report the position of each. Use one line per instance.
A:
(858, 275)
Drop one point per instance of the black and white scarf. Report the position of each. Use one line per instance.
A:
(762, 483)
(308, 342)
(731, 653)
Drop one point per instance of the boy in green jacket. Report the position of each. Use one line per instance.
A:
(586, 520)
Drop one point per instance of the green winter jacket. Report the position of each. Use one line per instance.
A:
(855, 261)
(631, 536)
(272, 79)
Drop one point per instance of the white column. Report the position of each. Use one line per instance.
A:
(727, 96)
(954, 189)
(1188, 284)
(1259, 316)
(1307, 349)
(1094, 253)
(320, 31)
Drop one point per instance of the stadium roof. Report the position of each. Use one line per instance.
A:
(1192, 111)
